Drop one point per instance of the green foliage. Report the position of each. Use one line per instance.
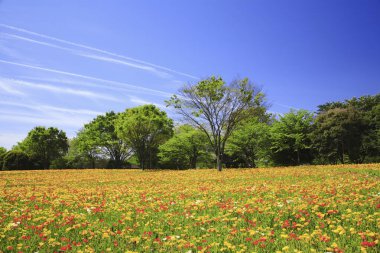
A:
(185, 150)
(228, 123)
(44, 145)
(338, 135)
(348, 131)
(144, 128)
(85, 146)
(249, 144)
(3, 151)
(369, 109)
(16, 160)
(290, 138)
(216, 108)
(76, 158)
(98, 139)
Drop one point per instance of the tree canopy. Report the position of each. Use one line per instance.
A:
(99, 138)
(2, 153)
(223, 124)
(185, 149)
(290, 138)
(16, 160)
(45, 144)
(216, 108)
(249, 144)
(144, 128)
(338, 135)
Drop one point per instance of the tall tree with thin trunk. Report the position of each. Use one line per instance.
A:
(217, 108)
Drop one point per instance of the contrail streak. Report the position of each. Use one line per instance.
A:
(92, 56)
(137, 88)
(97, 50)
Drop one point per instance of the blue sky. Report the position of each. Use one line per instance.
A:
(64, 62)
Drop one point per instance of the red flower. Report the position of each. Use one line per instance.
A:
(286, 224)
(324, 238)
(67, 247)
(368, 244)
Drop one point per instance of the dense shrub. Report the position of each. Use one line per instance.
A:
(16, 160)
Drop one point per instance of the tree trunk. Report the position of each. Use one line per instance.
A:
(142, 165)
(218, 162)
(194, 163)
(46, 163)
(194, 158)
(298, 157)
(141, 160)
(150, 159)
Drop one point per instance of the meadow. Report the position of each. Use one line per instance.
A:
(291, 209)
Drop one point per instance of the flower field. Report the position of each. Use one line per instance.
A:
(294, 209)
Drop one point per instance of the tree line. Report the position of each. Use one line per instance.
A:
(222, 125)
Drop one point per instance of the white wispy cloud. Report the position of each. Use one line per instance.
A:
(140, 101)
(14, 36)
(8, 139)
(60, 90)
(91, 56)
(125, 86)
(40, 115)
(153, 66)
(48, 108)
(72, 81)
(33, 120)
(6, 50)
(130, 64)
(9, 89)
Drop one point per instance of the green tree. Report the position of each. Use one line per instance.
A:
(216, 108)
(76, 158)
(338, 134)
(185, 149)
(369, 109)
(370, 150)
(290, 137)
(3, 151)
(249, 144)
(16, 160)
(144, 128)
(44, 145)
(85, 146)
(99, 138)
(349, 130)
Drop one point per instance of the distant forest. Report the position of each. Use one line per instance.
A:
(222, 126)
